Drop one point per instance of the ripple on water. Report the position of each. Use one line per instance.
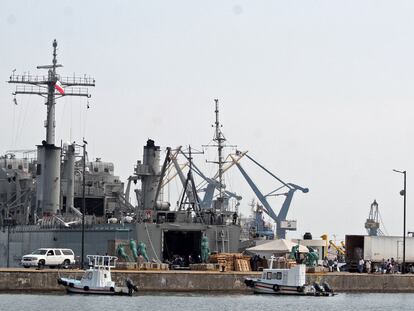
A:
(202, 302)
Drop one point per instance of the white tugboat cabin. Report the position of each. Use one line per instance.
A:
(286, 281)
(97, 279)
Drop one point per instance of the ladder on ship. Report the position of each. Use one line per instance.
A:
(222, 240)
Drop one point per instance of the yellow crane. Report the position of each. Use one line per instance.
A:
(340, 249)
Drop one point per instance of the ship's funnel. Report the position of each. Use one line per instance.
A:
(69, 175)
(149, 173)
(48, 179)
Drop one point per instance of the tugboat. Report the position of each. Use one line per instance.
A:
(287, 281)
(97, 279)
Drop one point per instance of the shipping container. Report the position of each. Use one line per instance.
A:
(377, 248)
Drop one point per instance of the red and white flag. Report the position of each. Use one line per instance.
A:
(59, 88)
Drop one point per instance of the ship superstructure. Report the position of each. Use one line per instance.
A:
(16, 188)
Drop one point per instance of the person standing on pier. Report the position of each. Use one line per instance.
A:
(361, 265)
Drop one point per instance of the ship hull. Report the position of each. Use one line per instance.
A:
(22, 240)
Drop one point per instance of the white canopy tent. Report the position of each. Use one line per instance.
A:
(276, 247)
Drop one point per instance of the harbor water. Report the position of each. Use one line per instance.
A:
(200, 302)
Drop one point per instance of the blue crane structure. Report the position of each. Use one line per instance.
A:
(212, 185)
(279, 219)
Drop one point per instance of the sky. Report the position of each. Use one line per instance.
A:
(319, 92)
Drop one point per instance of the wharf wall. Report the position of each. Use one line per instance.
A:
(32, 280)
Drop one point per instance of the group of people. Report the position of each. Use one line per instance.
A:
(180, 261)
(364, 266)
(331, 264)
(389, 266)
(258, 263)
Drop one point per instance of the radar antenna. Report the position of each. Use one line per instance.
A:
(220, 140)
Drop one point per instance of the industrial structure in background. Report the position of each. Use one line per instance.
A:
(284, 189)
(256, 227)
(372, 224)
(377, 249)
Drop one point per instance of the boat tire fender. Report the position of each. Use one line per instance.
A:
(249, 283)
(70, 284)
(112, 289)
(299, 289)
(86, 288)
(276, 288)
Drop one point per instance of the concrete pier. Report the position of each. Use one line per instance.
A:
(32, 280)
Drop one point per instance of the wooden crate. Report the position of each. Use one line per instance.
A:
(144, 266)
(229, 261)
(242, 265)
(152, 266)
(202, 267)
(126, 266)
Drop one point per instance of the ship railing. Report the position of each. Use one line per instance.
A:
(103, 227)
(89, 191)
(28, 78)
(77, 80)
(30, 89)
(102, 262)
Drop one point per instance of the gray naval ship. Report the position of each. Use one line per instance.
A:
(60, 199)
(56, 197)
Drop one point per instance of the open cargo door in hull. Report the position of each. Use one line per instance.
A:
(181, 243)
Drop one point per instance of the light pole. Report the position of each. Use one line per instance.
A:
(83, 203)
(403, 193)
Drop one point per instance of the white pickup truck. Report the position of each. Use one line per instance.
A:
(51, 257)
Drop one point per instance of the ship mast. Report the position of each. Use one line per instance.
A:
(219, 139)
(51, 87)
(50, 123)
(45, 87)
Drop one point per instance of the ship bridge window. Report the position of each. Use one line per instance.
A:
(9, 166)
(277, 275)
(106, 170)
(95, 169)
(160, 218)
(20, 167)
(170, 217)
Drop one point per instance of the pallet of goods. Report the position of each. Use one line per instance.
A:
(242, 265)
(152, 266)
(231, 261)
(204, 267)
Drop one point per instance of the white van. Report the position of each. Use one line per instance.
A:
(51, 257)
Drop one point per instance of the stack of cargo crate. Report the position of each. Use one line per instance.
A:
(231, 261)
(152, 266)
(204, 266)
